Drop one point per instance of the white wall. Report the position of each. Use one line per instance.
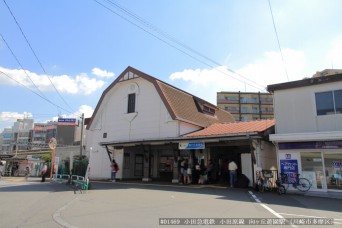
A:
(151, 121)
(295, 110)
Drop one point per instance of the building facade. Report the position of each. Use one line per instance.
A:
(6, 140)
(22, 132)
(308, 133)
(246, 106)
(144, 124)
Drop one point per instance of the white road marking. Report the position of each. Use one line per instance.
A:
(57, 215)
(268, 208)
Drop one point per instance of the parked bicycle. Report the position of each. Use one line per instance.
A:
(300, 183)
(264, 180)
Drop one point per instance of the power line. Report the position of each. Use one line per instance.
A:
(174, 40)
(21, 66)
(34, 53)
(276, 33)
(37, 93)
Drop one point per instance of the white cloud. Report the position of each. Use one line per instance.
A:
(102, 73)
(8, 118)
(254, 77)
(270, 69)
(205, 83)
(81, 84)
(13, 116)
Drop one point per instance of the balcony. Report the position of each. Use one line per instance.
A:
(224, 101)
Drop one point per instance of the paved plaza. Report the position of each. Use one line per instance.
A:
(137, 204)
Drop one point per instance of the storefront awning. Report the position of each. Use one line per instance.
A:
(308, 136)
(205, 139)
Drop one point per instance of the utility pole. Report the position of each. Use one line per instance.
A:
(81, 142)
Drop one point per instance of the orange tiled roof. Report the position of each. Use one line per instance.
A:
(234, 128)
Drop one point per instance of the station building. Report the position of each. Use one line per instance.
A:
(148, 126)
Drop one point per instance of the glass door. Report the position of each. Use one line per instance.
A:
(312, 169)
(333, 171)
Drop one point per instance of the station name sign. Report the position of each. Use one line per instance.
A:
(191, 145)
(67, 121)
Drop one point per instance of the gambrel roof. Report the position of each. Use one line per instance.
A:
(181, 105)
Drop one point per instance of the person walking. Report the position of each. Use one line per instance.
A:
(232, 167)
(27, 172)
(43, 170)
(115, 169)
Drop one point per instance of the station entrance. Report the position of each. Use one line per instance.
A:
(221, 155)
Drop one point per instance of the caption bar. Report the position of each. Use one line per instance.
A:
(246, 221)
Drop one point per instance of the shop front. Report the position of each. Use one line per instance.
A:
(320, 162)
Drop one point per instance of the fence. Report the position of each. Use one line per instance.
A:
(77, 181)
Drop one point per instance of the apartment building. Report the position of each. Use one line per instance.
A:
(246, 106)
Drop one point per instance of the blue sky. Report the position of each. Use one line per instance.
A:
(199, 46)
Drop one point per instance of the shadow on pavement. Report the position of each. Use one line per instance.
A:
(221, 192)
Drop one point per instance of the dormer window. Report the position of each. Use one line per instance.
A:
(208, 110)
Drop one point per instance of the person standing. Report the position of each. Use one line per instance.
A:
(43, 170)
(115, 169)
(210, 172)
(185, 172)
(232, 167)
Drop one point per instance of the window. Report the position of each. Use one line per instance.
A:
(131, 103)
(329, 102)
(209, 110)
(104, 135)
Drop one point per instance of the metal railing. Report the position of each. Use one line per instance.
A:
(79, 182)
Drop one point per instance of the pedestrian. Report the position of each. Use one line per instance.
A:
(185, 172)
(232, 167)
(43, 170)
(203, 173)
(27, 172)
(115, 169)
(210, 172)
(181, 170)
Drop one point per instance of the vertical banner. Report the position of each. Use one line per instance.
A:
(290, 168)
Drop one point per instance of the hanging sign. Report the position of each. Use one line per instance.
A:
(191, 145)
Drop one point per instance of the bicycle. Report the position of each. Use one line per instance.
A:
(300, 183)
(264, 181)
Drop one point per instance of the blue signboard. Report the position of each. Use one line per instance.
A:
(289, 167)
(191, 145)
(66, 120)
